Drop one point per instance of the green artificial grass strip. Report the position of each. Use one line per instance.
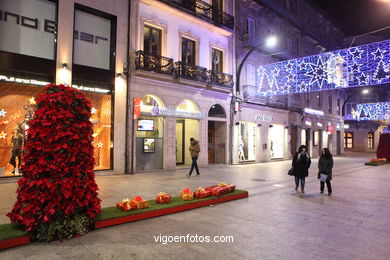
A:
(114, 212)
(8, 231)
(376, 163)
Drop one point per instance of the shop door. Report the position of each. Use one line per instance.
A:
(294, 140)
(211, 142)
(277, 141)
(308, 140)
(180, 142)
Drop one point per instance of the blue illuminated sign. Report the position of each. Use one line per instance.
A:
(358, 66)
(370, 111)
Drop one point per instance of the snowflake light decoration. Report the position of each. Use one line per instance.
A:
(358, 66)
(370, 111)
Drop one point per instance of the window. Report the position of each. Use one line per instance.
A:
(188, 51)
(289, 44)
(217, 111)
(348, 140)
(250, 74)
(250, 26)
(319, 100)
(338, 107)
(217, 60)
(307, 95)
(370, 138)
(330, 104)
(152, 40)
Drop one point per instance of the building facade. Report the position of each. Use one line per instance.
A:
(181, 66)
(80, 43)
(313, 119)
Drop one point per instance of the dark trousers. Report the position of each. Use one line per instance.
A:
(328, 185)
(194, 165)
(297, 179)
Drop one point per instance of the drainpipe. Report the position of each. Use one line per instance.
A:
(234, 92)
(127, 91)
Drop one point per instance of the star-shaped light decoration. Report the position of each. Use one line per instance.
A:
(3, 112)
(290, 77)
(275, 72)
(362, 79)
(303, 87)
(355, 67)
(93, 110)
(290, 65)
(99, 145)
(302, 66)
(3, 135)
(318, 72)
(356, 53)
(378, 54)
(32, 101)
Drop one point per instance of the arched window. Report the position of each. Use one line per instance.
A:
(370, 138)
(217, 111)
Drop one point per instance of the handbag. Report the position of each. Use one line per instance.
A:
(291, 172)
(323, 177)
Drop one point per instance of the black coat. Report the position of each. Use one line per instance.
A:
(325, 166)
(301, 166)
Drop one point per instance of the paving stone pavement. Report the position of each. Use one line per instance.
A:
(273, 223)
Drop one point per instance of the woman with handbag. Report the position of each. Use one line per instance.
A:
(325, 165)
(301, 164)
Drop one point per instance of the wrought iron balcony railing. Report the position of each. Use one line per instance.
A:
(155, 63)
(221, 79)
(203, 10)
(191, 72)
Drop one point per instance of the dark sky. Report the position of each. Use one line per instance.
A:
(358, 16)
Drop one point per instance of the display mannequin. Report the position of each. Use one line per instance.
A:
(241, 153)
(17, 147)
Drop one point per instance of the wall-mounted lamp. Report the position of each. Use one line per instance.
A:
(271, 126)
(237, 123)
(287, 127)
(119, 74)
(64, 74)
(258, 125)
(64, 65)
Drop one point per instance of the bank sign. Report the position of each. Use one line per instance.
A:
(28, 27)
(162, 111)
(264, 118)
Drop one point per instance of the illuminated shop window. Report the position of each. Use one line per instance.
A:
(348, 140)
(370, 138)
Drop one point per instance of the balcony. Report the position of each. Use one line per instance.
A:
(220, 79)
(155, 63)
(204, 11)
(181, 70)
(191, 72)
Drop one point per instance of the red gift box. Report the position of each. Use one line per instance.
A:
(163, 198)
(202, 193)
(220, 191)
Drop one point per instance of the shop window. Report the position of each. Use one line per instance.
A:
(188, 106)
(217, 60)
(152, 40)
(217, 111)
(188, 53)
(370, 138)
(348, 140)
(250, 26)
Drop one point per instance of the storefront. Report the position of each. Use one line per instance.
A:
(83, 57)
(150, 125)
(261, 134)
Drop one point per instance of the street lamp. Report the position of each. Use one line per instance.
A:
(364, 92)
(270, 42)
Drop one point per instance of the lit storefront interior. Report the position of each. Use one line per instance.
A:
(276, 134)
(247, 141)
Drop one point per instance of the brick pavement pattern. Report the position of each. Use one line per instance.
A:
(275, 222)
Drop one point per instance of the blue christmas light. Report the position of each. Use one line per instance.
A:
(358, 66)
(369, 111)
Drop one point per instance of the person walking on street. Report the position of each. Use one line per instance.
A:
(301, 164)
(194, 151)
(325, 165)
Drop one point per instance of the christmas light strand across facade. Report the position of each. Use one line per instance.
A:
(357, 66)
(370, 111)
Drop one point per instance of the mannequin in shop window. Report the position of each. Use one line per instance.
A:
(241, 153)
(17, 148)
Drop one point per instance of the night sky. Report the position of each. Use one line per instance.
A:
(358, 16)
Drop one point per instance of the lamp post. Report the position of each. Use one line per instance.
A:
(269, 43)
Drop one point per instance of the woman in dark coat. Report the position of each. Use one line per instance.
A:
(301, 164)
(325, 165)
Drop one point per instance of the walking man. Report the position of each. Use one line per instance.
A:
(194, 151)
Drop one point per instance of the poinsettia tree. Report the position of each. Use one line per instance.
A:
(58, 193)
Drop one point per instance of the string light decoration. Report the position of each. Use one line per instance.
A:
(357, 66)
(370, 111)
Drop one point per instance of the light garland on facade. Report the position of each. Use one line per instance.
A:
(358, 66)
